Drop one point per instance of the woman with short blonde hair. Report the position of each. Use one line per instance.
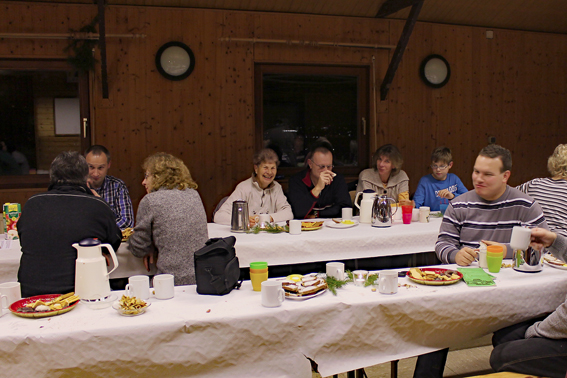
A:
(171, 223)
(551, 192)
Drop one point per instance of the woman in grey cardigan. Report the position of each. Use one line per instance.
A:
(171, 223)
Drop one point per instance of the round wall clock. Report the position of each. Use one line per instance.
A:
(175, 60)
(435, 71)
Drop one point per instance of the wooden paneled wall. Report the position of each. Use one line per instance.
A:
(512, 87)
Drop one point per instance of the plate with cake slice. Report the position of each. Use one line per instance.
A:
(553, 261)
(296, 297)
(309, 286)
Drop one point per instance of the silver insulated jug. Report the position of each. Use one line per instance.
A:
(240, 220)
(528, 260)
(382, 211)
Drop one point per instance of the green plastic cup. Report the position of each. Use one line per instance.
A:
(258, 265)
(494, 263)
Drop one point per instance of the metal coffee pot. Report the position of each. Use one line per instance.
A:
(240, 221)
(382, 211)
(528, 260)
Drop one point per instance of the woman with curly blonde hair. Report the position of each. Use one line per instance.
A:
(551, 192)
(171, 223)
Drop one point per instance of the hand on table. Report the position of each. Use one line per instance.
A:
(542, 238)
(445, 193)
(465, 256)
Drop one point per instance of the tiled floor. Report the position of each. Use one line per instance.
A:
(460, 363)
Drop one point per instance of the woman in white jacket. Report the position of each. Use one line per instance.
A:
(263, 194)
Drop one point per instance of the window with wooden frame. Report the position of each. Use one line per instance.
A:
(30, 91)
(298, 105)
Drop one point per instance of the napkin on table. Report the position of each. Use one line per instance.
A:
(476, 277)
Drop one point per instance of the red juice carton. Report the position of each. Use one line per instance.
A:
(11, 214)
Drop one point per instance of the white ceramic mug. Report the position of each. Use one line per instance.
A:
(388, 282)
(138, 286)
(264, 219)
(482, 258)
(9, 293)
(347, 213)
(396, 213)
(164, 286)
(424, 214)
(415, 215)
(294, 227)
(521, 237)
(336, 269)
(272, 294)
(359, 277)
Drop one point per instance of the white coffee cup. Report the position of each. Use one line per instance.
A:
(359, 277)
(396, 213)
(521, 237)
(347, 213)
(424, 214)
(336, 270)
(264, 219)
(272, 293)
(482, 258)
(138, 286)
(294, 227)
(9, 293)
(164, 286)
(415, 215)
(388, 282)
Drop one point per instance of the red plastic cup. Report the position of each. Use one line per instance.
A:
(407, 209)
(406, 218)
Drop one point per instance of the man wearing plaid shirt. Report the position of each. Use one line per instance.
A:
(111, 189)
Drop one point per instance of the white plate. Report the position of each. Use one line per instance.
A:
(309, 296)
(332, 224)
(562, 267)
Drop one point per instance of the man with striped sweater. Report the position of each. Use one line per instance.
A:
(487, 213)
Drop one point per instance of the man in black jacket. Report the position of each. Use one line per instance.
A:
(52, 221)
(318, 192)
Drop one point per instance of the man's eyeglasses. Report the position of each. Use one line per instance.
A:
(321, 167)
(439, 167)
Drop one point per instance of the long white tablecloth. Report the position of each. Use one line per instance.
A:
(234, 336)
(328, 244)
(128, 264)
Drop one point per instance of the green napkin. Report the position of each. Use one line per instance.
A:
(477, 277)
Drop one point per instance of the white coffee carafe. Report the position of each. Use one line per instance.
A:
(365, 206)
(91, 276)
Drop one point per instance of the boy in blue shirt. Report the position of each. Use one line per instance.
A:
(440, 184)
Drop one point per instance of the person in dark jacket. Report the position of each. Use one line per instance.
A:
(52, 221)
(318, 192)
